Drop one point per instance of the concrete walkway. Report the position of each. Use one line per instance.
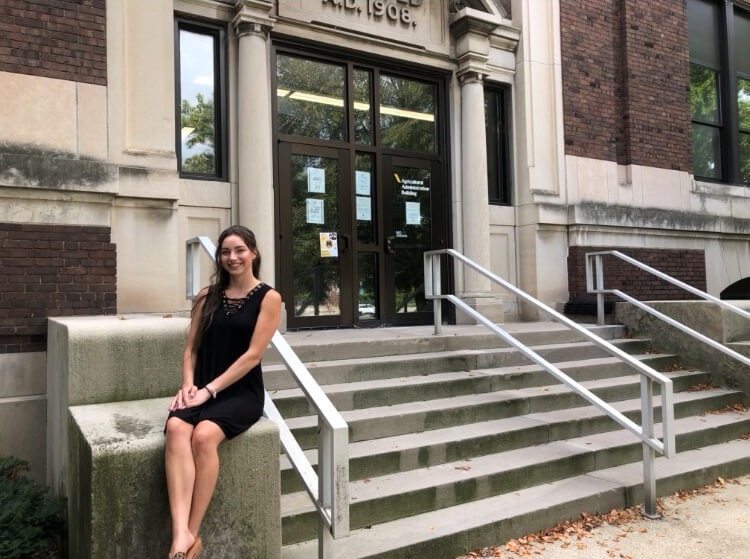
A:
(712, 524)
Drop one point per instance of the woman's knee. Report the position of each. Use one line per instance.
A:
(206, 437)
(178, 430)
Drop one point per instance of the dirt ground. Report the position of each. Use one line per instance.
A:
(712, 522)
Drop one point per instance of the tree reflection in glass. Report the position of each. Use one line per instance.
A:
(197, 114)
(704, 106)
(316, 278)
(361, 80)
(310, 98)
(407, 114)
(743, 110)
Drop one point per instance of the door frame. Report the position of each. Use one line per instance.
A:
(441, 161)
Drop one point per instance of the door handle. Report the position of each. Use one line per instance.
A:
(389, 245)
(344, 248)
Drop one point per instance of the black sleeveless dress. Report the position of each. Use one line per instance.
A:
(240, 405)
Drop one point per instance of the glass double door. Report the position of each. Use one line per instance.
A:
(354, 226)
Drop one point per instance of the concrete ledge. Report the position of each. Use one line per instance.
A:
(705, 317)
(93, 360)
(111, 359)
(117, 498)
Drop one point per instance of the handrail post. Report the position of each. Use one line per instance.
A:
(437, 303)
(599, 295)
(325, 488)
(432, 288)
(325, 540)
(192, 269)
(649, 457)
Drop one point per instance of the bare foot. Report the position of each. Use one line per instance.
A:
(181, 542)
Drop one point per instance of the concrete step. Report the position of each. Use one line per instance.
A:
(383, 456)
(385, 498)
(356, 395)
(456, 529)
(360, 369)
(743, 348)
(331, 345)
(412, 417)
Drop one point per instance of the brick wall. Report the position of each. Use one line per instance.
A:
(64, 39)
(52, 270)
(688, 266)
(625, 69)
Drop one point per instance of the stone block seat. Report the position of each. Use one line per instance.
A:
(110, 380)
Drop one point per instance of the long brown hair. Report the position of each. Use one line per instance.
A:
(220, 280)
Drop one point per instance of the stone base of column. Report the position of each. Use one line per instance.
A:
(491, 307)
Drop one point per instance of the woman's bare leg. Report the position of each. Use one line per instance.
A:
(206, 439)
(180, 468)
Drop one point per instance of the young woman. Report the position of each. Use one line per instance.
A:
(222, 392)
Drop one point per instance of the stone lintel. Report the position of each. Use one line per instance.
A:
(469, 20)
(505, 37)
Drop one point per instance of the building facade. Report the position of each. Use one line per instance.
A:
(352, 136)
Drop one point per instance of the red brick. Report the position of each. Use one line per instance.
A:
(73, 27)
(46, 271)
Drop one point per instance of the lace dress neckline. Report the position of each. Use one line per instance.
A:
(233, 305)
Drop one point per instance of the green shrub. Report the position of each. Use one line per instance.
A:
(30, 520)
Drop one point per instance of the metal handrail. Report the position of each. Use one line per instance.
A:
(595, 284)
(328, 489)
(644, 432)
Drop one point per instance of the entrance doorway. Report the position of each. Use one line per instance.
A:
(361, 191)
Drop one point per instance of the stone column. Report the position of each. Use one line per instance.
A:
(475, 208)
(471, 30)
(252, 25)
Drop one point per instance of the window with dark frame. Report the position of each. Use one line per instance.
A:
(496, 111)
(200, 87)
(719, 37)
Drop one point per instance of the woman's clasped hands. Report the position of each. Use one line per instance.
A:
(188, 396)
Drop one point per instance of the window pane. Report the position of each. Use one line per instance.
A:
(362, 106)
(364, 196)
(197, 114)
(407, 114)
(745, 158)
(498, 183)
(367, 266)
(742, 40)
(703, 32)
(310, 97)
(743, 103)
(704, 94)
(706, 151)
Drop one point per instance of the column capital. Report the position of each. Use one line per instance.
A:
(471, 70)
(471, 30)
(253, 17)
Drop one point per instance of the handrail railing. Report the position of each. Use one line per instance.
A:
(329, 489)
(595, 284)
(645, 432)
